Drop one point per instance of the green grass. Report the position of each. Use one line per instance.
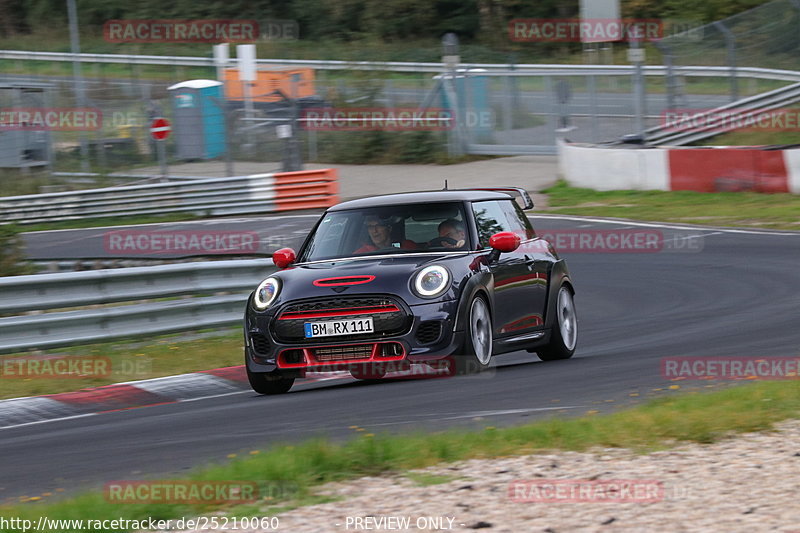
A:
(744, 209)
(701, 418)
(753, 138)
(132, 360)
(424, 479)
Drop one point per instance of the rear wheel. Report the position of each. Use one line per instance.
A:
(478, 344)
(269, 382)
(564, 336)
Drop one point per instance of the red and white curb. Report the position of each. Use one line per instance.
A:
(702, 169)
(131, 395)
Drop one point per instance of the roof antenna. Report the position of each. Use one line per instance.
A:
(445, 185)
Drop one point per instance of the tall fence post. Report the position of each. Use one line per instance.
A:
(594, 108)
(730, 45)
(80, 93)
(671, 85)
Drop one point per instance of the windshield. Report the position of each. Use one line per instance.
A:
(396, 229)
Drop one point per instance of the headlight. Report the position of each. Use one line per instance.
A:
(266, 293)
(432, 281)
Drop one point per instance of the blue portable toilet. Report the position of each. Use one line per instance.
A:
(198, 119)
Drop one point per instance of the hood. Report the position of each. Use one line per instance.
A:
(385, 275)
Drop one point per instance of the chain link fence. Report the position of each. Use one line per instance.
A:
(496, 112)
(765, 36)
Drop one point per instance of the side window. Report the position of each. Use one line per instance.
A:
(518, 220)
(490, 218)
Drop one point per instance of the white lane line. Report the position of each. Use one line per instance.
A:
(45, 421)
(510, 412)
(666, 225)
(433, 417)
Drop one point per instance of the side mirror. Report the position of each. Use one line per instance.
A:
(504, 242)
(284, 257)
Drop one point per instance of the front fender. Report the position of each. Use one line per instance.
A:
(481, 282)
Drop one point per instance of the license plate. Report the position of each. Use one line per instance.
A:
(338, 327)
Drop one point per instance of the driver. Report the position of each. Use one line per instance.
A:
(451, 234)
(380, 235)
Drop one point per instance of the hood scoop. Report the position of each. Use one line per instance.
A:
(342, 281)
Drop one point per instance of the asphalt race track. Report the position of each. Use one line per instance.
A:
(736, 294)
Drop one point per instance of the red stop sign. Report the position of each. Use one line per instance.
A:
(160, 128)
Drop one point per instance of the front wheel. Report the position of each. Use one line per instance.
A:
(564, 336)
(478, 343)
(269, 382)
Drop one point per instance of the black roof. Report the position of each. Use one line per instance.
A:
(421, 197)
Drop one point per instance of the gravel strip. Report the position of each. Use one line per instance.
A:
(749, 483)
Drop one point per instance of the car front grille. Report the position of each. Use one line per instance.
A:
(343, 353)
(388, 317)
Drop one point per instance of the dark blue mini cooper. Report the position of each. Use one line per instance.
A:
(445, 278)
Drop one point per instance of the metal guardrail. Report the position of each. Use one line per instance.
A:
(258, 193)
(776, 99)
(492, 69)
(45, 296)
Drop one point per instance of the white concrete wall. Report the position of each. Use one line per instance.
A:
(606, 169)
(791, 158)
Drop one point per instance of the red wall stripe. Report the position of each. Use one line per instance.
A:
(716, 169)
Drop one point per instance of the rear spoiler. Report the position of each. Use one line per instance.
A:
(527, 203)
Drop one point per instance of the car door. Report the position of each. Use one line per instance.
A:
(538, 260)
(514, 275)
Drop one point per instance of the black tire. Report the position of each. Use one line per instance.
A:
(269, 382)
(479, 339)
(566, 325)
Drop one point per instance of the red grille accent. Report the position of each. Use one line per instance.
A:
(344, 311)
(345, 280)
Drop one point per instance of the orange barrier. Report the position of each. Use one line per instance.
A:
(306, 189)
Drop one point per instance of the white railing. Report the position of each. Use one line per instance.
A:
(124, 303)
(492, 69)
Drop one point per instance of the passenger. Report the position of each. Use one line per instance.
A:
(380, 234)
(451, 235)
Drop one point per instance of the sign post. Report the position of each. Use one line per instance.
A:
(160, 128)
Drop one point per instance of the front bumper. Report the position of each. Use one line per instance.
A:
(265, 353)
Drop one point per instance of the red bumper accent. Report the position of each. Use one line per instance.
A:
(341, 354)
